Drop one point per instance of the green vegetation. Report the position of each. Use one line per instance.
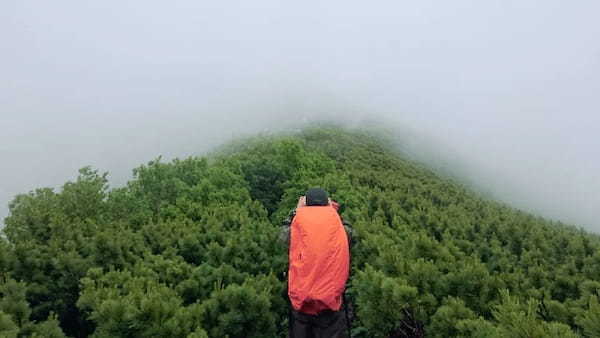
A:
(190, 249)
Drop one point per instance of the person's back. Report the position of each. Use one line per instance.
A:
(319, 262)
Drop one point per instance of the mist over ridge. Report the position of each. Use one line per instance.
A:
(503, 95)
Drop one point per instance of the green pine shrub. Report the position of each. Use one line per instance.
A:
(190, 248)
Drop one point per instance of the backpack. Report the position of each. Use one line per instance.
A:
(319, 260)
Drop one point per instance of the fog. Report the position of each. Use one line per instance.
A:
(503, 93)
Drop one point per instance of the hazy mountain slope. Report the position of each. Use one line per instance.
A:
(190, 248)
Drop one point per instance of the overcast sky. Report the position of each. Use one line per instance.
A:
(507, 91)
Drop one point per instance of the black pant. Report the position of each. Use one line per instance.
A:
(327, 324)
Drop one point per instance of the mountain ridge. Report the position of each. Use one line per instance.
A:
(190, 248)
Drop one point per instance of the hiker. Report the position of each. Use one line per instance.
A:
(319, 262)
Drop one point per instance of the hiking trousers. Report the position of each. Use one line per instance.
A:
(327, 324)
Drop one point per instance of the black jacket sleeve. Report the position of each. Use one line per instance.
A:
(284, 233)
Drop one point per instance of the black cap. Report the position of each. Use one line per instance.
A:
(316, 196)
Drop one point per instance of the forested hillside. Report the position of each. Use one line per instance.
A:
(190, 248)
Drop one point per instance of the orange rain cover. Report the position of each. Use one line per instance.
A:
(319, 260)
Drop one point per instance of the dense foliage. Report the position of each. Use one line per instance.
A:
(190, 249)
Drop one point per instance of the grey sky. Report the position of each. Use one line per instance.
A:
(505, 90)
